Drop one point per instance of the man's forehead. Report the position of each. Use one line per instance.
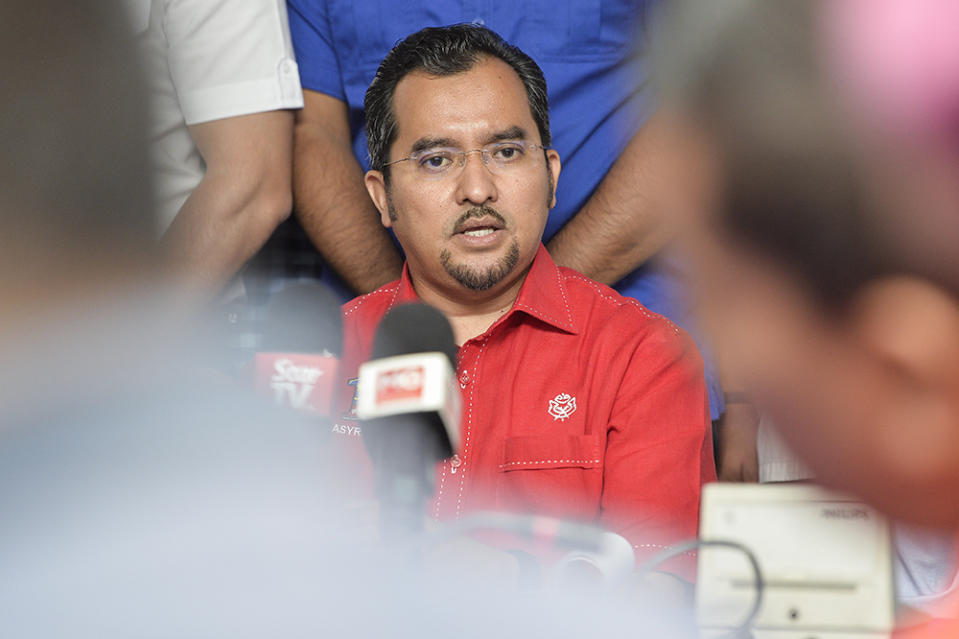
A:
(464, 107)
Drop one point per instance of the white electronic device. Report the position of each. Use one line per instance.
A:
(825, 559)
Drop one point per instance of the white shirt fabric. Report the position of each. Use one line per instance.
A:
(207, 60)
(777, 462)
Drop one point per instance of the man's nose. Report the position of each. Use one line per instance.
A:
(475, 184)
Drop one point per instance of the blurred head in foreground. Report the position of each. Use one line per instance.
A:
(136, 502)
(819, 247)
(74, 188)
(74, 200)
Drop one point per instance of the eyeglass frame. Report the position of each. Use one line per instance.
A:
(486, 155)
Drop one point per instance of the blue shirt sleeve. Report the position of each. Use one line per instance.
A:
(314, 49)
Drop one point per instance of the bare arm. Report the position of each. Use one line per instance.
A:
(737, 431)
(737, 458)
(621, 225)
(241, 199)
(331, 201)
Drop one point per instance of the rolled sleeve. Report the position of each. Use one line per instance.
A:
(230, 58)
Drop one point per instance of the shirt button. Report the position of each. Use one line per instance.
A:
(464, 379)
(286, 66)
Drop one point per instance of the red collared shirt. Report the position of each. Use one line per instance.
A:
(578, 403)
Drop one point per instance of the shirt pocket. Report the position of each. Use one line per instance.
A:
(551, 475)
(367, 30)
(584, 29)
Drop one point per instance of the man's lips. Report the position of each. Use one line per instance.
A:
(478, 226)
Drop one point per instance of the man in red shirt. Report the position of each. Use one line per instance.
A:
(578, 402)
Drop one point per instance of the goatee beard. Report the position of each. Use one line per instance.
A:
(482, 280)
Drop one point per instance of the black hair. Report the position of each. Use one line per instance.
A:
(444, 51)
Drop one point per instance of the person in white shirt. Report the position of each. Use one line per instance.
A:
(223, 81)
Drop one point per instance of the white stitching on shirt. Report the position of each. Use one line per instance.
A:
(358, 302)
(396, 292)
(609, 298)
(550, 461)
(540, 313)
(537, 313)
(469, 424)
(624, 300)
(561, 281)
(638, 546)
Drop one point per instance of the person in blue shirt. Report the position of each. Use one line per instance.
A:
(601, 111)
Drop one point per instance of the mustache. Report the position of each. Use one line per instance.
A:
(478, 212)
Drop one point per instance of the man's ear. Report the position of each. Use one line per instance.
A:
(554, 167)
(376, 187)
(909, 328)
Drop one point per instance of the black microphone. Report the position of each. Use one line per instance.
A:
(298, 360)
(411, 403)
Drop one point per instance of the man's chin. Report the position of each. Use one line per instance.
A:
(482, 277)
(477, 279)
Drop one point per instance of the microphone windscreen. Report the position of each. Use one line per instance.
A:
(303, 318)
(414, 328)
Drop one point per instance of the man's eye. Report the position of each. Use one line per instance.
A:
(508, 153)
(435, 161)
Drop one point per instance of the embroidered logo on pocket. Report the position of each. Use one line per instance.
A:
(562, 406)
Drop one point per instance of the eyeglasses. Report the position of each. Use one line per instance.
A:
(500, 158)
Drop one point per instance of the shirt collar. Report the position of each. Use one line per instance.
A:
(543, 293)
